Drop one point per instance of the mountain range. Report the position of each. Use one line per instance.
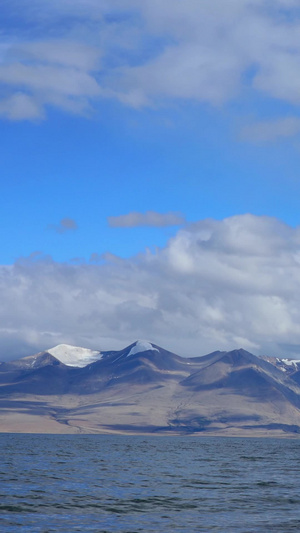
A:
(145, 389)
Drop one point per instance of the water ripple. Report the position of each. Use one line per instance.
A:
(105, 484)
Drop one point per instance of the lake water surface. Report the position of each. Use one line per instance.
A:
(93, 483)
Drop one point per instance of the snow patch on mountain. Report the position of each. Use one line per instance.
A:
(74, 355)
(291, 362)
(142, 346)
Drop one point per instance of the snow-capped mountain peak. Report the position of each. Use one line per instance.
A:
(142, 346)
(74, 355)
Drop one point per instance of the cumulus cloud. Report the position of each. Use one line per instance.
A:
(216, 285)
(65, 225)
(146, 52)
(150, 218)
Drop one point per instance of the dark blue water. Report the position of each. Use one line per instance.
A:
(92, 483)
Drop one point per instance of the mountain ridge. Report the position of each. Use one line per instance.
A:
(144, 388)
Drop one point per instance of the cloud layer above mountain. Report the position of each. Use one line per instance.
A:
(216, 285)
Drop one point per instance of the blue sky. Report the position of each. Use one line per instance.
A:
(127, 130)
(188, 160)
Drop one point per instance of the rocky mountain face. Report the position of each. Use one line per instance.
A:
(146, 389)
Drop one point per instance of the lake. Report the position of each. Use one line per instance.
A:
(99, 483)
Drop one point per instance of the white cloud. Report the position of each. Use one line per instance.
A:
(49, 78)
(216, 285)
(66, 224)
(150, 218)
(150, 51)
(213, 49)
(20, 106)
(40, 73)
(58, 52)
(271, 130)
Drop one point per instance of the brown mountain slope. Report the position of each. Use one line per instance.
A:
(152, 390)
